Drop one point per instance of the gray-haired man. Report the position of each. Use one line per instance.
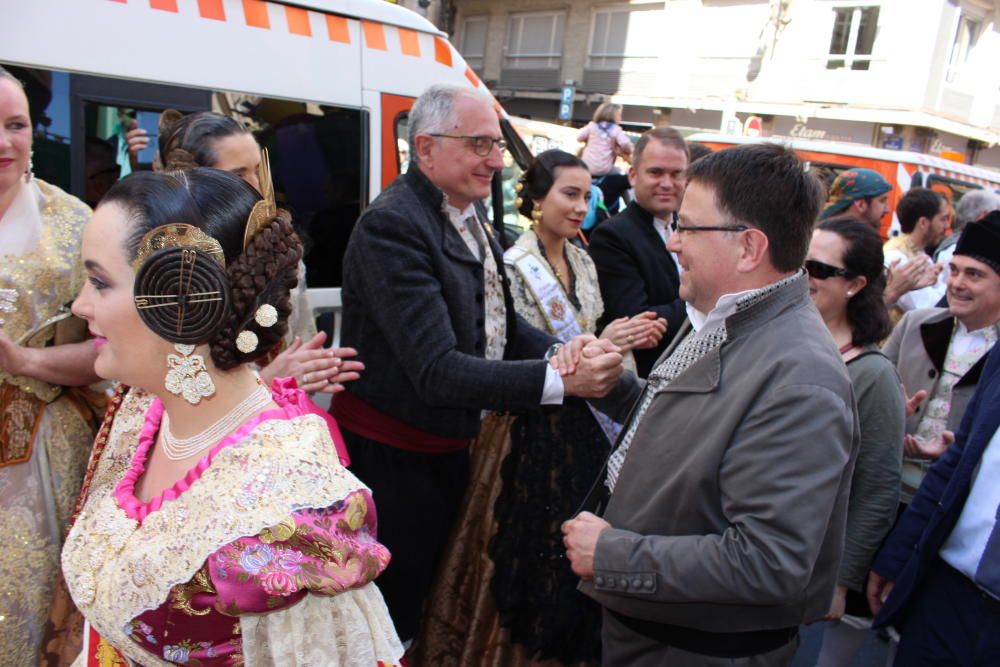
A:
(428, 307)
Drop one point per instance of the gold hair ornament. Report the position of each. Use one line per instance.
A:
(263, 212)
(177, 235)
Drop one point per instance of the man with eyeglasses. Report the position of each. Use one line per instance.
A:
(635, 270)
(728, 487)
(428, 307)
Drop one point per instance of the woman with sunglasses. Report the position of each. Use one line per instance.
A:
(846, 282)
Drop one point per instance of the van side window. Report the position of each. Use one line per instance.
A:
(316, 155)
(402, 142)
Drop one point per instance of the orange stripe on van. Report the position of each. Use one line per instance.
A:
(298, 21)
(409, 44)
(336, 28)
(374, 35)
(165, 5)
(212, 9)
(471, 76)
(255, 12)
(122, 2)
(442, 52)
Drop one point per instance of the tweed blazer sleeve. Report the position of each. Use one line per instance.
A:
(405, 297)
(767, 554)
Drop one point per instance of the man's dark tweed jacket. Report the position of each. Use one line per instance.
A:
(413, 308)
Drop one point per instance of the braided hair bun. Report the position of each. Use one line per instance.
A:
(265, 273)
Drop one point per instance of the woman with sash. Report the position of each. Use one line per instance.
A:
(505, 594)
(47, 414)
(219, 526)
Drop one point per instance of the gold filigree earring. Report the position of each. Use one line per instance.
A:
(187, 375)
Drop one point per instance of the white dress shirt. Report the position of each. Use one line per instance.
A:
(965, 546)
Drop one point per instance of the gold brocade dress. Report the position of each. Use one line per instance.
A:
(46, 431)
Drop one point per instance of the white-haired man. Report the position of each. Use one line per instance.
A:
(428, 307)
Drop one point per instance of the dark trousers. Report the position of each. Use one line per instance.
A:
(949, 621)
(417, 497)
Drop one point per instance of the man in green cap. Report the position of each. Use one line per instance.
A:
(858, 193)
(862, 194)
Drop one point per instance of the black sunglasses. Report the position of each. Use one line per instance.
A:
(822, 270)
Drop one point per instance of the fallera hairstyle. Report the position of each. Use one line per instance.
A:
(765, 186)
(189, 141)
(915, 204)
(866, 310)
(219, 204)
(665, 135)
(434, 111)
(606, 112)
(541, 174)
(973, 206)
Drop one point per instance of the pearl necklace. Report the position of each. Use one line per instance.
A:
(177, 449)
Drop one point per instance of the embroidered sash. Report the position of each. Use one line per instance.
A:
(557, 312)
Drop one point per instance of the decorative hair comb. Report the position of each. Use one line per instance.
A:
(263, 212)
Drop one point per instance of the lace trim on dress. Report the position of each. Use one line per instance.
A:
(117, 568)
(292, 402)
(287, 637)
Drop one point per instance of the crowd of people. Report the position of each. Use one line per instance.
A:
(735, 412)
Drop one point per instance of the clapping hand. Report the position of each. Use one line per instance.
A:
(314, 367)
(643, 331)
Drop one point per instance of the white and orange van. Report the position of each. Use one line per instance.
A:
(902, 169)
(324, 84)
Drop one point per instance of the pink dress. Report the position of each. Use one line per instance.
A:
(274, 579)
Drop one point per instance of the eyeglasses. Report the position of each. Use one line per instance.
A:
(822, 271)
(677, 227)
(481, 145)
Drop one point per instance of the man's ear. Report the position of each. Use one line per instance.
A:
(632, 175)
(422, 145)
(753, 250)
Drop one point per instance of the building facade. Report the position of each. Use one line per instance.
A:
(903, 74)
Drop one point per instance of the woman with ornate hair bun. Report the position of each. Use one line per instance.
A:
(209, 139)
(219, 525)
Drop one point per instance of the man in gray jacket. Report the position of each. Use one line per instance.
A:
(941, 352)
(729, 484)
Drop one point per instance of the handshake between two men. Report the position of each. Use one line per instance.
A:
(590, 367)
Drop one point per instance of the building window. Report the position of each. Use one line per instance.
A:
(624, 38)
(969, 29)
(473, 42)
(534, 41)
(853, 37)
